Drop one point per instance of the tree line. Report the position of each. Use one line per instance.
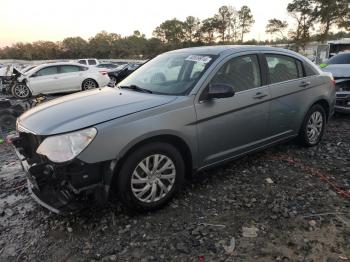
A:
(313, 20)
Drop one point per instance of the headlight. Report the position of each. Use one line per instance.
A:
(62, 148)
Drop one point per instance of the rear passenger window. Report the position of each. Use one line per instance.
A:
(91, 62)
(69, 69)
(283, 68)
(83, 62)
(242, 73)
(309, 71)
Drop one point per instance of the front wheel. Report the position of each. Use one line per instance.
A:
(150, 176)
(313, 126)
(20, 90)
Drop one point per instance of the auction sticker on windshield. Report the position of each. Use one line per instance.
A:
(199, 58)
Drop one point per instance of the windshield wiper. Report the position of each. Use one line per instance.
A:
(136, 88)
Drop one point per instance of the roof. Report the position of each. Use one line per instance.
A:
(219, 49)
(345, 41)
(59, 63)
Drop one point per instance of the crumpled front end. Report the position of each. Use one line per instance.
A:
(61, 188)
(342, 94)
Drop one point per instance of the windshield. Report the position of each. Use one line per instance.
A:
(339, 59)
(170, 74)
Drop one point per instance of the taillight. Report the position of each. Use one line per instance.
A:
(333, 81)
(103, 72)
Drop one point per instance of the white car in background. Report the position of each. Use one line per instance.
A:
(89, 62)
(59, 78)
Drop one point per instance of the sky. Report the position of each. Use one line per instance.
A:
(32, 20)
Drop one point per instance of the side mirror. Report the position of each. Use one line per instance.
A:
(220, 91)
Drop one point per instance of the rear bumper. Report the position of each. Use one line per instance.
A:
(58, 190)
(103, 81)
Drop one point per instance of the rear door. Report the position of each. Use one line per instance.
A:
(45, 80)
(231, 126)
(288, 97)
(70, 78)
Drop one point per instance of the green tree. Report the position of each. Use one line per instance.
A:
(170, 31)
(246, 20)
(276, 26)
(208, 30)
(191, 27)
(74, 47)
(223, 22)
(302, 12)
(102, 43)
(331, 12)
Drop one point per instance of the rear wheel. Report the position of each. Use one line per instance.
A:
(21, 90)
(150, 176)
(113, 81)
(8, 122)
(89, 84)
(313, 126)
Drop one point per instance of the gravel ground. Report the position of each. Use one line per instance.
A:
(286, 203)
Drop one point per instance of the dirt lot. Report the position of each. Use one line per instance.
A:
(287, 204)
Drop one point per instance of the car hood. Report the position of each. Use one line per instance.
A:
(85, 109)
(341, 70)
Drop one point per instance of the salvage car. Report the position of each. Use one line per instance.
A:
(339, 66)
(141, 140)
(118, 74)
(58, 78)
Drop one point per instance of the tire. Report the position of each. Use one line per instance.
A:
(89, 84)
(20, 90)
(113, 81)
(8, 122)
(313, 126)
(136, 194)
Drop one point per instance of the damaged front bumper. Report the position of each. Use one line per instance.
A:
(342, 104)
(63, 188)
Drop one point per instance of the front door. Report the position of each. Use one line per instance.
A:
(45, 80)
(231, 126)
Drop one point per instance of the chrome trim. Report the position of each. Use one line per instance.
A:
(22, 129)
(39, 201)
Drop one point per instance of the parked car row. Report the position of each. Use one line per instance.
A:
(64, 77)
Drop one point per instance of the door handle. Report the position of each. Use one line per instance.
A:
(259, 95)
(304, 84)
(55, 77)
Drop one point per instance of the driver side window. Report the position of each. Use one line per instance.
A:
(51, 70)
(242, 73)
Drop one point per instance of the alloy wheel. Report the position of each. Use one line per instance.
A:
(113, 81)
(21, 91)
(89, 84)
(314, 127)
(153, 178)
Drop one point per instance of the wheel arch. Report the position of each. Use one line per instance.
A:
(176, 141)
(89, 78)
(325, 104)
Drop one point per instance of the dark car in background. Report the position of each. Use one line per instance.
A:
(339, 66)
(118, 74)
(108, 66)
